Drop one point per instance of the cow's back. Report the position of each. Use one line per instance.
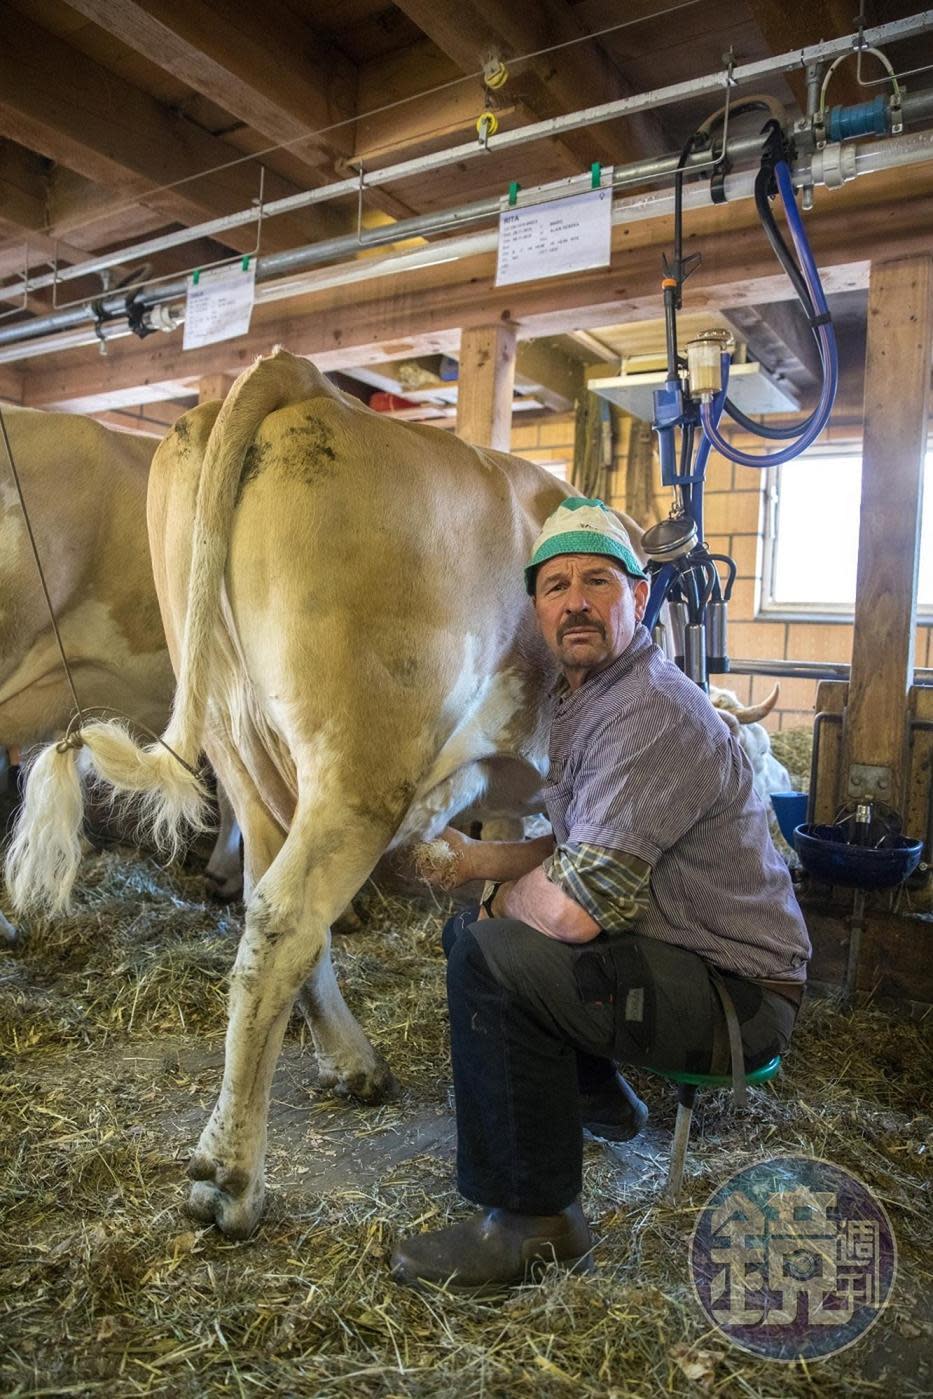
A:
(84, 487)
(366, 558)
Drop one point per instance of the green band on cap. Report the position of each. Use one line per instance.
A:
(582, 542)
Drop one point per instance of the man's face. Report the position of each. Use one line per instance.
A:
(587, 609)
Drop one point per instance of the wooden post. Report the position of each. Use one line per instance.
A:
(897, 386)
(484, 392)
(214, 386)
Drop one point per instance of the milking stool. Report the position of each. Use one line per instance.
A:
(687, 1085)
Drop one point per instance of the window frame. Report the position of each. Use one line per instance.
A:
(777, 611)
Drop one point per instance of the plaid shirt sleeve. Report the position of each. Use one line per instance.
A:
(611, 885)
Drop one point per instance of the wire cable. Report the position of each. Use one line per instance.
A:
(35, 553)
(253, 156)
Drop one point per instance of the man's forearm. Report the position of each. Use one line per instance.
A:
(499, 860)
(534, 900)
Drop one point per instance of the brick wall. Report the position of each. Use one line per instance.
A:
(547, 441)
(734, 517)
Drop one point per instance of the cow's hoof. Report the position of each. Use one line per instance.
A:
(225, 891)
(8, 933)
(348, 922)
(224, 1198)
(375, 1085)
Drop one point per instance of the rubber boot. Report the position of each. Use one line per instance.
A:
(493, 1249)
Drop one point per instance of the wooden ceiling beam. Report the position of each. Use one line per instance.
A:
(262, 64)
(11, 383)
(779, 338)
(472, 31)
(785, 28)
(406, 124)
(423, 312)
(74, 111)
(602, 352)
(23, 220)
(557, 380)
(24, 197)
(151, 420)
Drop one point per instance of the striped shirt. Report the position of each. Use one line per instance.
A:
(640, 763)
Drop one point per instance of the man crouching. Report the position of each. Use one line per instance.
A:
(657, 927)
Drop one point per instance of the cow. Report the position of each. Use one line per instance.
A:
(85, 489)
(358, 658)
(768, 775)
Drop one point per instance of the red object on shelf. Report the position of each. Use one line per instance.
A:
(389, 402)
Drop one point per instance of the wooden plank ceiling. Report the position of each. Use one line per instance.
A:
(121, 119)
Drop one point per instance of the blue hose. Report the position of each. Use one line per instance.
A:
(828, 351)
(660, 583)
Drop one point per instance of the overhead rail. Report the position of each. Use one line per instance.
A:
(106, 318)
(713, 83)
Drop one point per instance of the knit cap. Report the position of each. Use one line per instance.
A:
(582, 526)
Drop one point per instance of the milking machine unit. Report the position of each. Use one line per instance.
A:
(688, 410)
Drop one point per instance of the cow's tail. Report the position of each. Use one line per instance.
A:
(44, 854)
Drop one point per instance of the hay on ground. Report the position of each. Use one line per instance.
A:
(794, 748)
(111, 1027)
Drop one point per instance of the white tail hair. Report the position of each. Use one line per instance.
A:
(44, 854)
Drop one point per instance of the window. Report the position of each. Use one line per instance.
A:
(811, 536)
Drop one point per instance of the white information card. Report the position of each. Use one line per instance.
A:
(219, 304)
(549, 240)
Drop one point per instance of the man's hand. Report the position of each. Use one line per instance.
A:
(454, 859)
(447, 862)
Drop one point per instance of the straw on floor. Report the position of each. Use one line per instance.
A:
(111, 1028)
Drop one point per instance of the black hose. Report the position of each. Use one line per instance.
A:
(672, 295)
(788, 261)
(776, 238)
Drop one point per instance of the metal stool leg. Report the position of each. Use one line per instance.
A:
(686, 1097)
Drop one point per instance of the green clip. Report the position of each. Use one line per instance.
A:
(195, 276)
(245, 263)
(514, 187)
(596, 175)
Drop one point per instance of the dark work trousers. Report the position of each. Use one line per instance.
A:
(532, 1021)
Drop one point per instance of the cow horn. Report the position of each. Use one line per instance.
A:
(756, 712)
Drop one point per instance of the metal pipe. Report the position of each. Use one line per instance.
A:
(812, 670)
(914, 148)
(917, 106)
(536, 131)
(636, 207)
(637, 172)
(856, 928)
(825, 716)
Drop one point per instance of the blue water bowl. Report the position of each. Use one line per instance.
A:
(827, 855)
(790, 808)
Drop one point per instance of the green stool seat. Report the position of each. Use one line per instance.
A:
(687, 1085)
(761, 1075)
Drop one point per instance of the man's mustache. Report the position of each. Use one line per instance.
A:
(578, 620)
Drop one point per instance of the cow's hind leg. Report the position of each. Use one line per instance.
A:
(224, 870)
(285, 942)
(347, 1063)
